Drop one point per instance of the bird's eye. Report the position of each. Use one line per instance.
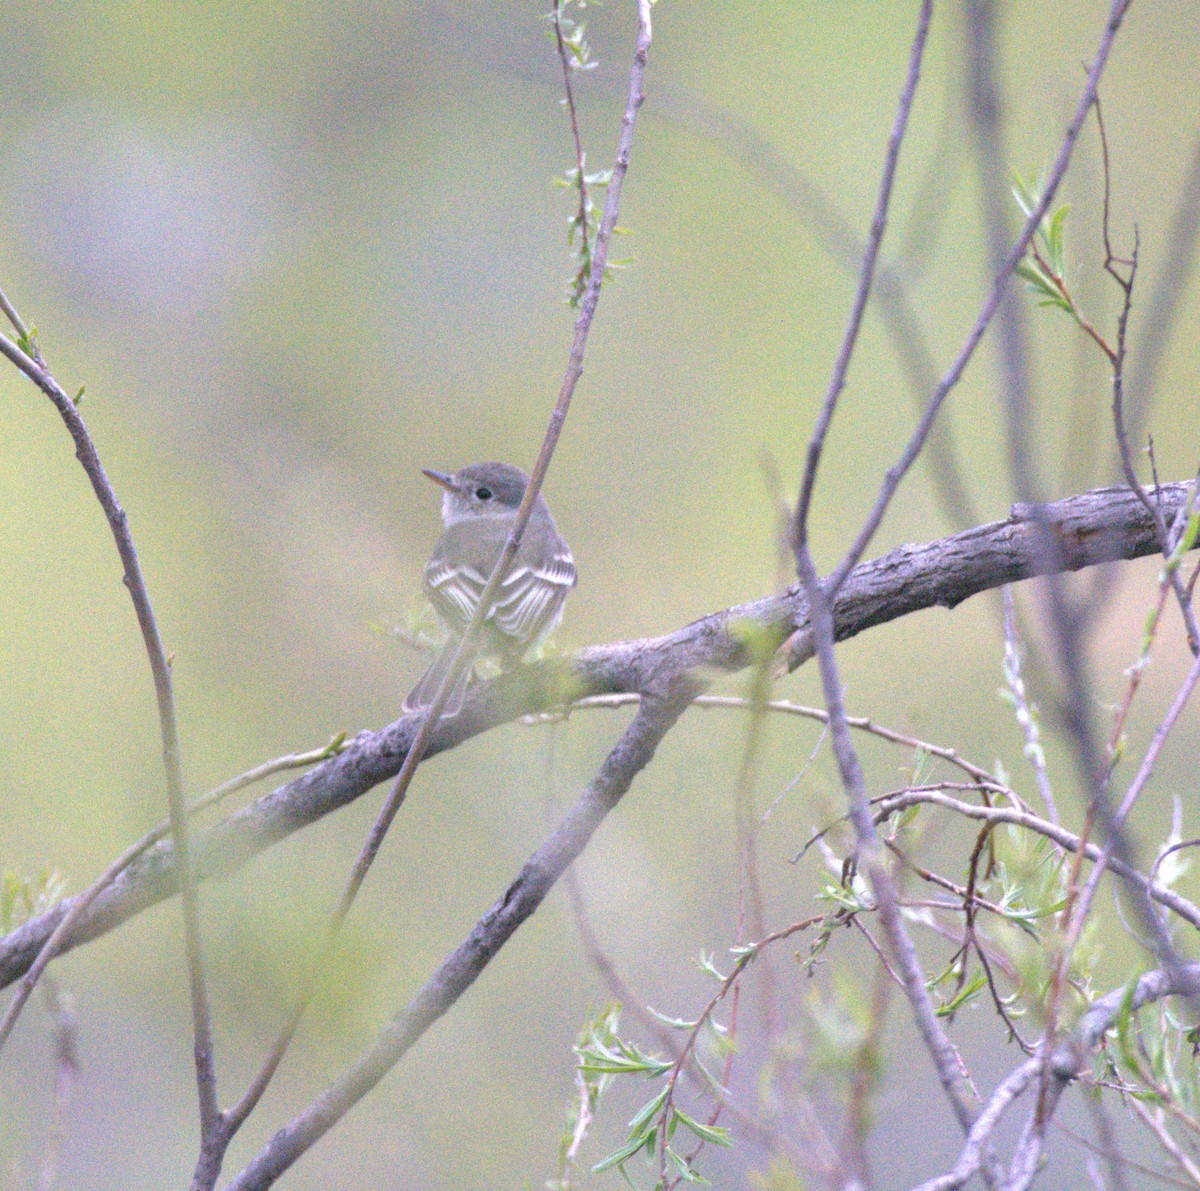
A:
(483, 493)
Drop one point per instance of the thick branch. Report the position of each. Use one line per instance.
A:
(1101, 526)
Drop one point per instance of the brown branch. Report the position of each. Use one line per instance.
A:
(820, 597)
(1096, 527)
(898, 470)
(1067, 840)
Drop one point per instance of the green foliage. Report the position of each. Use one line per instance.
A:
(27, 342)
(1029, 886)
(583, 224)
(1156, 1054)
(840, 1027)
(613, 1056)
(599, 1031)
(1191, 531)
(22, 898)
(583, 227)
(969, 992)
(602, 1054)
(1043, 269)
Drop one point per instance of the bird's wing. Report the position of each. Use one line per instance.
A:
(454, 590)
(530, 600)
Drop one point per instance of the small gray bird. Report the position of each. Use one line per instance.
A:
(479, 507)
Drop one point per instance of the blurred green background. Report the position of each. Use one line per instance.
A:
(297, 252)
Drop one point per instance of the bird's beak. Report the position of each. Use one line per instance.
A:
(440, 477)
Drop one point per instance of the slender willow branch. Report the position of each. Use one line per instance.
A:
(1106, 525)
(1068, 840)
(227, 1124)
(869, 850)
(32, 364)
(915, 445)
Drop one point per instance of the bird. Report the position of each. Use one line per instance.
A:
(479, 507)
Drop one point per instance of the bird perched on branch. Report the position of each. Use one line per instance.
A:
(479, 507)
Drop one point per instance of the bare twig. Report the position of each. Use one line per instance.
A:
(34, 366)
(1153, 1120)
(1108, 1145)
(1064, 1063)
(1065, 839)
(898, 470)
(730, 984)
(786, 707)
(1114, 265)
(1145, 770)
(820, 595)
(971, 1155)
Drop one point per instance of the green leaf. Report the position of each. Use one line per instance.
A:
(676, 1023)
(1055, 238)
(711, 1133)
(627, 1151)
(621, 1058)
(647, 1112)
(684, 1168)
(969, 991)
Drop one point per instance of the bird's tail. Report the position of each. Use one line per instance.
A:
(422, 695)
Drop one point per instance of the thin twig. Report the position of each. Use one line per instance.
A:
(34, 366)
(1058, 169)
(820, 596)
(1065, 839)
(579, 285)
(971, 1155)
(861, 723)
(1145, 770)
(1153, 1121)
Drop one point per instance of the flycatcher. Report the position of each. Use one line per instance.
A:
(479, 506)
